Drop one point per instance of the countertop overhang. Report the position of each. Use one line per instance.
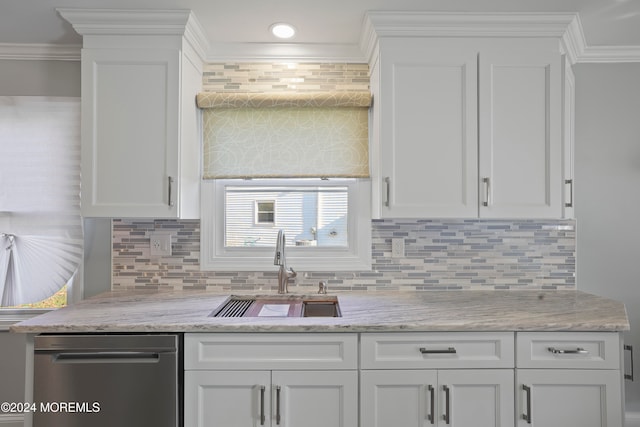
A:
(188, 311)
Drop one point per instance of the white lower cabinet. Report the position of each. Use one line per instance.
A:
(403, 379)
(271, 398)
(242, 380)
(417, 379)
(569, 379)
(408, 398)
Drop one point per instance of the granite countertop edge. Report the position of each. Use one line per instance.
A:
(419, 311)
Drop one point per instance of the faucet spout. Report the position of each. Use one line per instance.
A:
(284, 273)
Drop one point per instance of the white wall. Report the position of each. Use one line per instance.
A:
(43, 78)
(607, 192)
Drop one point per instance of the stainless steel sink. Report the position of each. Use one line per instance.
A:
(321, 308)
(278, 306)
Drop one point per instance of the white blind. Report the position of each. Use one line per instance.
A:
(295, 135)
(40, 223)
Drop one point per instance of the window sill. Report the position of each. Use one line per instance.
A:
(10, 316)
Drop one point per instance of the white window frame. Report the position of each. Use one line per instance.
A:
(216, 257)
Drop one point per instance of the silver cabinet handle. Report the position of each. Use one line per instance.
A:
(387, 181)
(569, 204)
(262, 417)
(487, 190)
(629, 348)
(578, 350)
(278, 405)
(170, 182)
(431, 416)
(450, 350)
(106, 357)
(527, 416)
(446, 403)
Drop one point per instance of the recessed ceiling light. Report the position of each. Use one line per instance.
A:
(282, 30)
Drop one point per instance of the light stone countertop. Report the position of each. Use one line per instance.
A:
(188, 311)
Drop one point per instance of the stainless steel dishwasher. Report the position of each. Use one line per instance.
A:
(107, 380)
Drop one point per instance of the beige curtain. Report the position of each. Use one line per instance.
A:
(285, 135)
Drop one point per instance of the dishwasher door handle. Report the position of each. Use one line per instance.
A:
(107, 357)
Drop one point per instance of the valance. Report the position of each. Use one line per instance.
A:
(334, 99)
(297, 135)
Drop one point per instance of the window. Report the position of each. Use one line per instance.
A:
(265, 212)
(327, 224)
(40, 224)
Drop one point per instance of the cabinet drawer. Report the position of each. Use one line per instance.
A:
(270, 351)
(579, 350)
(438, 350)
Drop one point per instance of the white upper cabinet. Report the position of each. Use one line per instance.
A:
(467, 126)
(140, 124)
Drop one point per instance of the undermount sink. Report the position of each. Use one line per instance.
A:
(278, 306)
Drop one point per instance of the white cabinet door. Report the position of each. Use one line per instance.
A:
(391, 398)
(130, 132)
(315, 398)
(568, 398)
(476, 398)
(520, 133)
(227, 398)
(427, 130)
(416, 398)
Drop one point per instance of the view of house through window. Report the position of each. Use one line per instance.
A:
(265, 212)
(309, 215)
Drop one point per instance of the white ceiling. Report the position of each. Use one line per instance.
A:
(604, 22)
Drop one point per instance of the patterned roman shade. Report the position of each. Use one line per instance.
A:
(285, 135)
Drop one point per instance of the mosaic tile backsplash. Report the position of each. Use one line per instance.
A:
(439, 255)
(277, 77)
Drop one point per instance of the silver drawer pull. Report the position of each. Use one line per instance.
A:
(578, 350)
(450, 350)
(262, 417)
(432, 415)
(170, 183)
(447, 405)
(527, 416)
(387, 182)
(629, 348)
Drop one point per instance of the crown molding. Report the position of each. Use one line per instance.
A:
(288, 52)
(575, 46)
(137, 22)
(126, 21)
(573, 42)
(459, 24)
(567, 27)
(609, 54)
(40, 52)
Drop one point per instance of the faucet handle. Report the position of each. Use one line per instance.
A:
(322, 287)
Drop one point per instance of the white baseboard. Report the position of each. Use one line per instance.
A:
(11, 420)
(632, 419)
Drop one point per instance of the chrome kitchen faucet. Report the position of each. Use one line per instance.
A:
(280, 259)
